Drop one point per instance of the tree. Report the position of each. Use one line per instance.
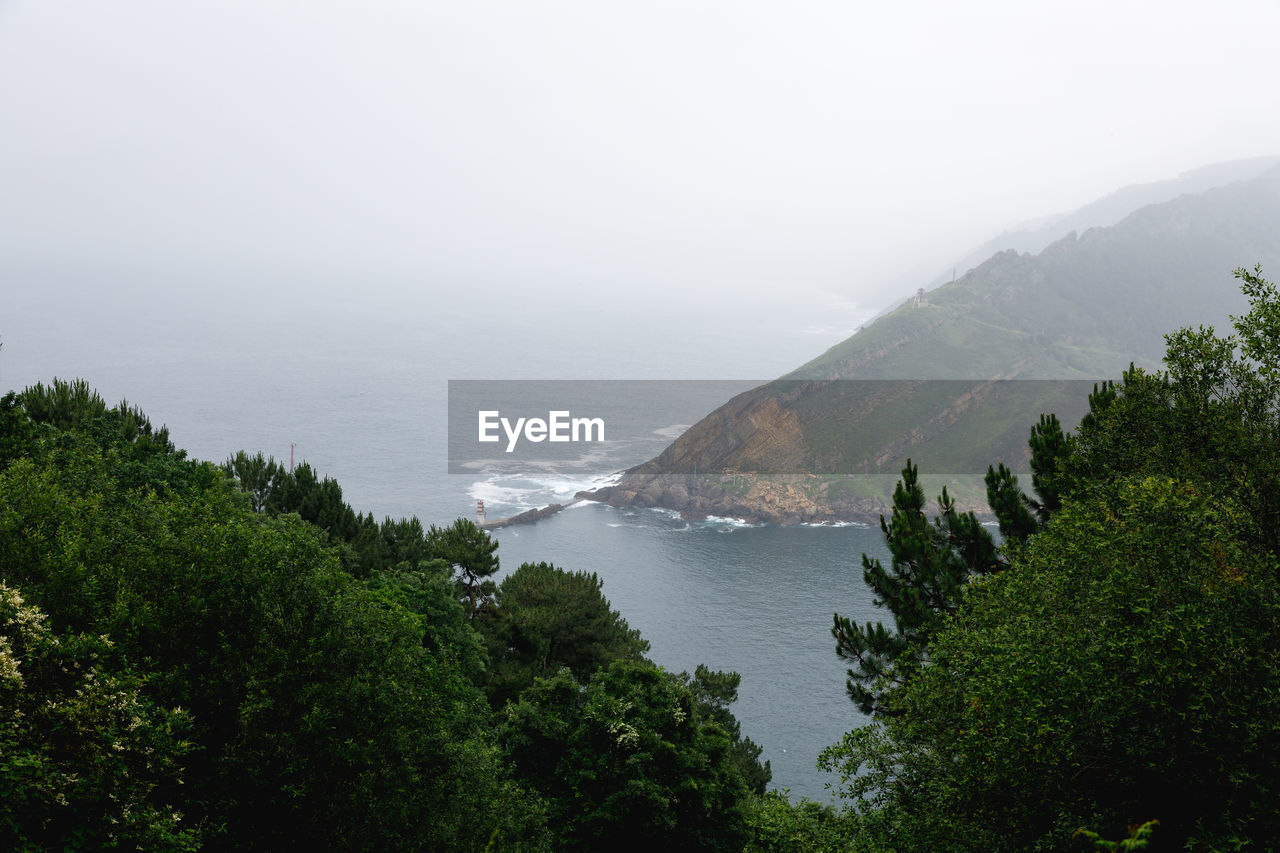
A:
(254, 475)
(86, 760)
(1122, 669)
(631, 760)
(1019, 514)
(322, 713)
(778, 825)
(1259, 330)
(930, 562)
(1212, 417)
(715, 692)
(426, 590)
(546, 618)
(471, 553)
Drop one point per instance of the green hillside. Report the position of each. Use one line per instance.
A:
(1085, 306)
(1082, 309)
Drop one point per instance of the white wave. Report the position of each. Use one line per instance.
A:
(731, 522)
(498, 495)
(561, 487)
(836, 524)
(673, 431)
(510, 493)
(566, 488)
(607, 480)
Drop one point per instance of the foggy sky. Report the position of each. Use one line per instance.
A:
(596, 148)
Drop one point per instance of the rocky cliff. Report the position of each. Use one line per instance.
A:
(955, 382)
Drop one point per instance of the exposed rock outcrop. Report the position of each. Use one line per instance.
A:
(1083, 309)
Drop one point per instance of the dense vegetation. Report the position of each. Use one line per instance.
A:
(1113, 662)
(196, 656)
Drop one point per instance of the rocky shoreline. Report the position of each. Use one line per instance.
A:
(758, 499)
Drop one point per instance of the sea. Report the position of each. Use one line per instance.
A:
(353, 376)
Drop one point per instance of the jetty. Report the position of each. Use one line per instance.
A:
(527, 517)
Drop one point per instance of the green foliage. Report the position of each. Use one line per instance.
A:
(1259, 329)
(326, 668)
(254, 475)
(472, 554)
(715, 692)
(1011, 506)
(322, 713)
(545, 619)
(74, 405)
(1019, 514)
(1122, 667)
(366, 547)
(1049, 449)
(777, 825)
(629, 761)
(1210, 419)
(637, 755)
(929, 564)
(86, 761)
(17, 431)
(1139, 838)
(427, 592)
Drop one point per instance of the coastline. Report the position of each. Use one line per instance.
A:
(786, 501)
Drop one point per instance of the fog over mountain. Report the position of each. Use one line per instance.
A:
(1110, 209)
(545, 157)
(996, 348)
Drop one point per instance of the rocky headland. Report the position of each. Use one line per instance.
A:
(1017, 336)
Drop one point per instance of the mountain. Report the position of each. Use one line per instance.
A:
(1034, 236)
(953, 380)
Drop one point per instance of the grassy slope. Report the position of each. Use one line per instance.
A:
(1084, 308)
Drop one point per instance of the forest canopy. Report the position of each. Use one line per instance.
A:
(198, 656)
(1112, 663)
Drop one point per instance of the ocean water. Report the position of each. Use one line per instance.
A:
(757, 600)
(357, 379)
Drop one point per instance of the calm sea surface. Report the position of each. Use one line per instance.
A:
(359, 384)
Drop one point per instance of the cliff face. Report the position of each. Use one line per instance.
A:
(771, 499)
(826, 442)
(800, 451)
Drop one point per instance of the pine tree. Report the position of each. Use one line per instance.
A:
(930, 562)
(1019, 514)
(471, 553)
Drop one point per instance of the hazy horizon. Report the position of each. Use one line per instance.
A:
(637, 158)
